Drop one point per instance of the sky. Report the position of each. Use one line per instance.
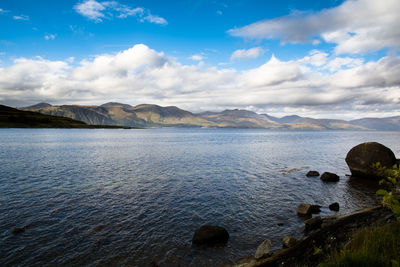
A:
(328, 58)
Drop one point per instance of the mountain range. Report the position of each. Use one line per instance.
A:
(151, 116)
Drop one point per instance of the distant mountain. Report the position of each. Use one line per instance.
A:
(147, 115)
(383, 124)
(115, 104)
(240, 119)
(295, 121)
(38, 105)
(15, 118)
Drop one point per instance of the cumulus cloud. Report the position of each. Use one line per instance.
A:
(355, 26)
(97, 11)
(142, 75)
(21, 17)
(254, 52)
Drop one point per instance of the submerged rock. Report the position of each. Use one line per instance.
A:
(18, 230)
(210, 235)
(361, 157)
(329, 177)
(288, 241)
(312, 173)
(263, 249)
(334, 206)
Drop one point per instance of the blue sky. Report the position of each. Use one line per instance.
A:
(266, 56)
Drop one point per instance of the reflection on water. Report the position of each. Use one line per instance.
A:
(130, 197)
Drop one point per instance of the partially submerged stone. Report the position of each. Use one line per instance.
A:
(361, 158)
(210, 235)
(315, 209)
(312, 174)
(263, 249)
(308, 209)
(329, 177)
(304, 209)
(334, 206)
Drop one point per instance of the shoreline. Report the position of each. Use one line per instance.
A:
(314, 248)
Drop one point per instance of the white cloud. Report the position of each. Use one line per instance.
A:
(251, 53)
(21, 17)
(155, 19)
(315, 58)
(143, 75)
(356, 26)
(196, 57)
(340, 62)
(97, 11)
(50, 36)
(219, 12)
(91, 9)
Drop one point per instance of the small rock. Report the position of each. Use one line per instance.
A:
(304, 209)
(288, 241)
(329, 177)
(315, 209)
(312, 173)
(18, 230)
(210, 235)
(313, 223)
(334, 206)
(263, 249)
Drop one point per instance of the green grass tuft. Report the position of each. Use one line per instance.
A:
(372, 246)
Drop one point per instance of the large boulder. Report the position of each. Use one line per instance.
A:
(361, 157)
(210, 235)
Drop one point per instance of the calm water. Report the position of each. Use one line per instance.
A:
(129, 197)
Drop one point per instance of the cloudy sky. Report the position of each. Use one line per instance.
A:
(327, 58)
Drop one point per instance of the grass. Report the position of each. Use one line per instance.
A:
(372, 246)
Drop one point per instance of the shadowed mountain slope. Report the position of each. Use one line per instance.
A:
(15, 118)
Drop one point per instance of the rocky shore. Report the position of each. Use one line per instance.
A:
(325, 235)
(333, 233)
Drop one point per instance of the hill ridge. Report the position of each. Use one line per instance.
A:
(152, 115)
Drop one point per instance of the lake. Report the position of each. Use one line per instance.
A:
(130, 197)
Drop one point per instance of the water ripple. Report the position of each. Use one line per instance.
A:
(127, 198)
